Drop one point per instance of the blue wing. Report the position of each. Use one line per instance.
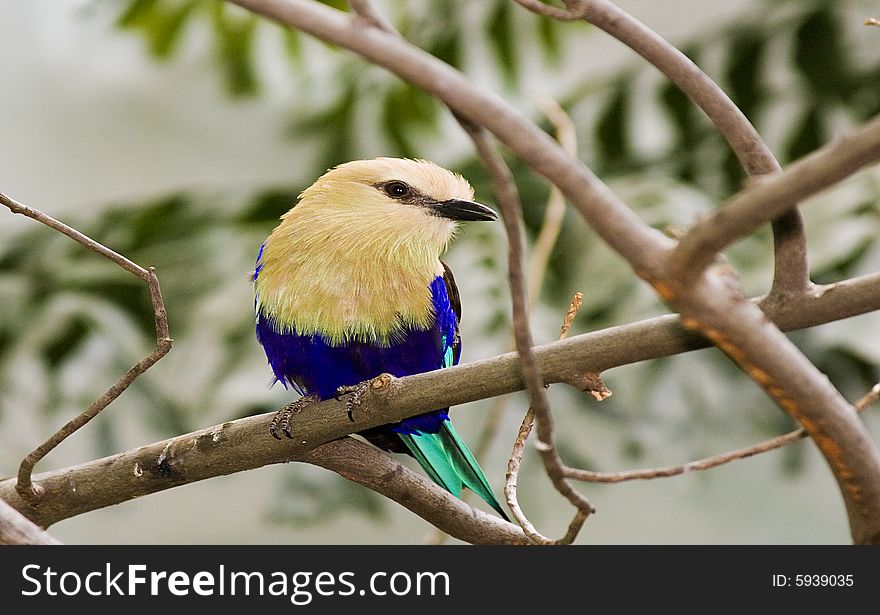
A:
(311, 366)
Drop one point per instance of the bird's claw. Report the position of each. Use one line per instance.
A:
(283, 416)
(356, 392)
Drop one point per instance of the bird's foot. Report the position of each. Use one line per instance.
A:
(356, 392)
(283, 416)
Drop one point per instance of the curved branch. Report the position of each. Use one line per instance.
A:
(16, 529)
(241, 445)
(25, 485)
(507, 195)
(714, 461)
(791, 266)
(374, 469)
(766, 198)
(616, 223)
(791, 270)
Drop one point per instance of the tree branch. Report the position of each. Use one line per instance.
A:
(244, 444)
(766, 198)
(25, 486)
(507, 195)
(711, 305)
(514, 462)
(378, 471)
(241, 445)
(714, 461)
(791, 265)
(16, 529)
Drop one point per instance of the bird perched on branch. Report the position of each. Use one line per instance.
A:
(350, 285)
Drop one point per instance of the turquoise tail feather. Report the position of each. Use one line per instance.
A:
(447, 460)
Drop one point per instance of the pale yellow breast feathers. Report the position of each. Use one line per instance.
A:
(350, 263)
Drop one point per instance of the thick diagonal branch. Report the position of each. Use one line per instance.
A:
(791, 267)
(16, 529)
(765, 199)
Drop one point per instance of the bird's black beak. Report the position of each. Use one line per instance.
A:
(455, 209)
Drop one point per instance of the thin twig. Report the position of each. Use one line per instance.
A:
(508, 199)
(25, 485)
(20, 208)
(538, 262)
(544, 244)
(714, 461)
(555, 211)
(515, 461)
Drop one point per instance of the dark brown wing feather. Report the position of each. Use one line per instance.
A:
(455, 302)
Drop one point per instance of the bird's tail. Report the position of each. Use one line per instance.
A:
(446, 459)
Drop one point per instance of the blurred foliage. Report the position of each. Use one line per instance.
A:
(70, 322)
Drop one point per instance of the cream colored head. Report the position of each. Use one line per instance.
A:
(354, 258)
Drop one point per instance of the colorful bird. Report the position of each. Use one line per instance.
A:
(350, 285)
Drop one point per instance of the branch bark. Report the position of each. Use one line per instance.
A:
(508, 197)
(244, 444)
(791, 263)
(711, 304)
(16, 529)
(241, 445)
(25, 485)
(765, 199)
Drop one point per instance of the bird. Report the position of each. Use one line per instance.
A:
(350, 285)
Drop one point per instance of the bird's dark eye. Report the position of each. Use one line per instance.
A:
(397, 189)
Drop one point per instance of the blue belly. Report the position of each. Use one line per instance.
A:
(311, 366)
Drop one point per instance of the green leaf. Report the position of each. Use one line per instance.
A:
(137, 11)
(744, 71)
(160, 25)
(686, 123)
(447, 47)
(819, 54)
(504, 39)
(613, 129)
(808, 134)
(269, 205)
(234, 50)
(548, 33)
(68, 336)
(407, 113)
(341, 5)
(293, 46)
